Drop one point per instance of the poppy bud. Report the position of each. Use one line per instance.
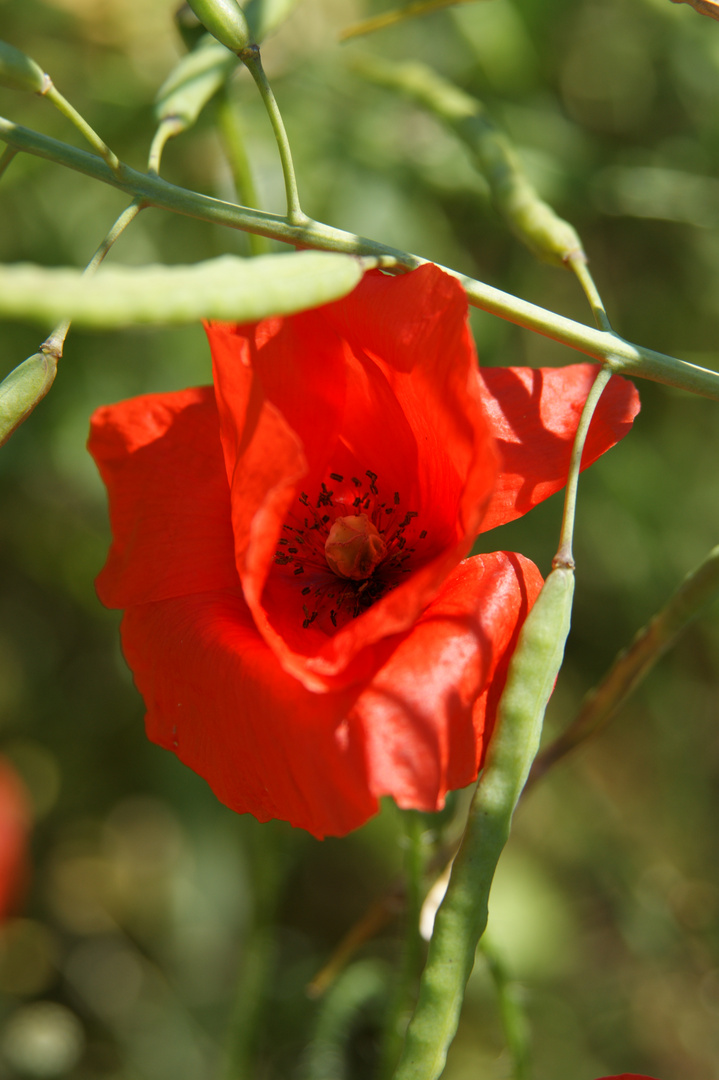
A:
(354, 547)
(225, 20)
(19, 72)
(22, 389)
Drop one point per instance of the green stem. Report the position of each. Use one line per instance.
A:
(166, 130)
(250, 57)
(564, 556)
(239, 162)
(56, 341)
(270, 850)
(61, 103)
(631, 666)
(402, 1001)
(578, 263)
(357, 989)
(622, 356)
(514, 1021)
(7, 156)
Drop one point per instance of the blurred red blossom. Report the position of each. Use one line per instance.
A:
(628, 1076)
(290, 548)
(15, 820)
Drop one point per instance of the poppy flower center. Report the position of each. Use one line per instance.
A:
(354, 547)
(339, 563)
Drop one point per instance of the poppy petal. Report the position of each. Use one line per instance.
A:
(161, 460)
(217, 696)
(533, 414)
(428, 713)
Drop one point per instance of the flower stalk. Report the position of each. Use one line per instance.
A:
(239, 162)
(250, 57)
(564, 556)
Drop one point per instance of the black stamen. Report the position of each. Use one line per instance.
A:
(337, 477)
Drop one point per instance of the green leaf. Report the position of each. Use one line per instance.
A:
(227, 288)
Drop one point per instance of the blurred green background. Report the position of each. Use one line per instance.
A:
(147, 896)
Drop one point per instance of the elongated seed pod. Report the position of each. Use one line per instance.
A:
(196, 78)
(264, 16)
(227, 288)
(23, 388)
(532, 673)
(462, 917)
(225, 20)
(20, 72)
(532, 220)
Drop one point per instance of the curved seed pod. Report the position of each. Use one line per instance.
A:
(225, 20)
(532, 220)
(227, 288)
(462, 918)
(196, 78)
(264, 16)
(188, 26)
(23, 388)
(20, 72)
(532, 673)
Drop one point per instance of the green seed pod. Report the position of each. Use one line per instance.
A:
(196, 78)
(23, 388)
(225, 20)
(19, 72)
(533, 221)
(264, 16)
(227, 288)
(533, 670)
(189, 26)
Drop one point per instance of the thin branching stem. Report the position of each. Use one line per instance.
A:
(622, 356)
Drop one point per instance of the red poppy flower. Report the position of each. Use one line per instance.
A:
(289, 548)
(627, 1076)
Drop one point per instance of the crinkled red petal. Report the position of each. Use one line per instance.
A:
(534, 414)
(427, 714)
(217, 695)
(161, 460)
